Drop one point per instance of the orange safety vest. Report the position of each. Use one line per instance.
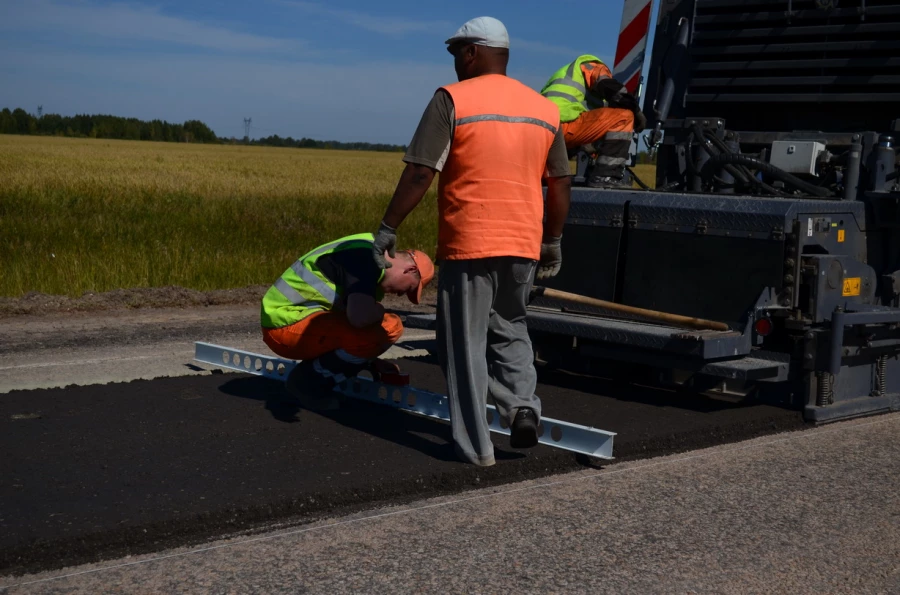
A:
(489, 192)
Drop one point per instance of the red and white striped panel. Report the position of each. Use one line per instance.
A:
(632, 43)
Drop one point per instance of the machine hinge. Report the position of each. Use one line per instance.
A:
(615, 221)
(702, 226)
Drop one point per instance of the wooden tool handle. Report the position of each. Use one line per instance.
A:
(677, 319)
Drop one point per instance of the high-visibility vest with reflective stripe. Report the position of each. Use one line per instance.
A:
(489, 192)
(303, 289)
(566, 88)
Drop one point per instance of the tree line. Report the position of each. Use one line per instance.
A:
(309, 143)
(18, 121)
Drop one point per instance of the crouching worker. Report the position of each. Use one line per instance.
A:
(325, 310)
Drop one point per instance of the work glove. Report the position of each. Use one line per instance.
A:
(385, 241)
(551, 258)
(609, 88)
(640, 120)
(616, 95)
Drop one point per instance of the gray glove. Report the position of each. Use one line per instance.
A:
(385, 241)
(551, 258)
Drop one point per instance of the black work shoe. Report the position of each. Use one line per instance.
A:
(524, 429)
(313, 390)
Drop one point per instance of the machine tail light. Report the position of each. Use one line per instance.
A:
(763, 327)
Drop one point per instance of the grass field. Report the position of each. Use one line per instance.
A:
(81, 215)
(93, 215)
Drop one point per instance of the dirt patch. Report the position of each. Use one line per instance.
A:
(35, 303)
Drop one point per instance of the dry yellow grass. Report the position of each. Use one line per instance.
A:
(647, 174)
(116, 168)
(81, 215)
(91, 215)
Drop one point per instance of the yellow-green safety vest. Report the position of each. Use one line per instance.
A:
(303, 289)
(566, 89)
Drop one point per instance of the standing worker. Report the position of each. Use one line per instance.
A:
(580, 89)
(325, 310)
(492, 139)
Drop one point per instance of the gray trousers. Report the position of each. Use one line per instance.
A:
(483, 346)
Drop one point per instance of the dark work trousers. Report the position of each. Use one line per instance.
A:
(483, 346)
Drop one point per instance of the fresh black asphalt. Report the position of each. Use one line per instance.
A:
(95, 472)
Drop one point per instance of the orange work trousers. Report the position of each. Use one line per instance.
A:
(592, 126)
(323, 332)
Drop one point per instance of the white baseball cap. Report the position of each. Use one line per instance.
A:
(486, 31)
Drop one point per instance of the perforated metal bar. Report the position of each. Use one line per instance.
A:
(558, 434)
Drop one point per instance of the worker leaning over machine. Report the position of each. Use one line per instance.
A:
(580, 89)
(493, 139)
(325, 311)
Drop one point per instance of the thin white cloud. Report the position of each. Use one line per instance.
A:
(384, 25)
(129, 21)
(539, 47)
(275, 93)
(394, 26)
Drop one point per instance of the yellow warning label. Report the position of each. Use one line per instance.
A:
(840, 235)
(851, 286)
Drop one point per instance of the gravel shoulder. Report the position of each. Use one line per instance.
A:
(54, 341)
(40, 321)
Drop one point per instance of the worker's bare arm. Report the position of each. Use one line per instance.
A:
(414, 183)
(556, 208)
(363, 310)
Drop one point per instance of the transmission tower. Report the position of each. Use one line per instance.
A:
(40, 110)
(247, 122)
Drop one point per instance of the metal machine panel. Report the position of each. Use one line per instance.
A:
(592, 235)
(796, 157)
(713, 277)
(811, 65)
(704, 345)
(594, 250)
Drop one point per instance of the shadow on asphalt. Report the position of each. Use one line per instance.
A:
(593, 384)
(636, 393)
(429, 345)
(425, 435)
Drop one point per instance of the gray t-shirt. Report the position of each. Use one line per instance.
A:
(430, 144)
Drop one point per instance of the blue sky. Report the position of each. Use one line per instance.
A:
(343, 70)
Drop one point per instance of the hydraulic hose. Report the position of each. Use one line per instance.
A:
(720, 144)
(746, 171)
(736, 173)
(639, 181)
(779, 174)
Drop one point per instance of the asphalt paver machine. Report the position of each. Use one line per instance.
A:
(776, 211)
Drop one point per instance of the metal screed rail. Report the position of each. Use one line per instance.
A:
(558, 434)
